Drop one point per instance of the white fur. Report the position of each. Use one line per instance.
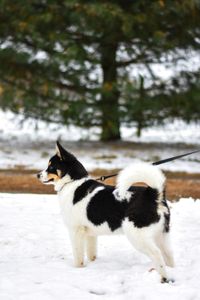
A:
(118, 196)
(81, 230)
(140, 172)
(61, 182)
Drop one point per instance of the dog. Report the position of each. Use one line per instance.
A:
(91, 208)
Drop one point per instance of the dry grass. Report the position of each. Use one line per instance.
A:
(25, 181)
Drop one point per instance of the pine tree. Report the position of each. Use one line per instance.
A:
(69, 61)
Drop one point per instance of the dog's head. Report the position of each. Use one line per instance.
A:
(62, 164)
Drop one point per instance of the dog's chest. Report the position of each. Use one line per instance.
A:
(66, 197)
(74, 213)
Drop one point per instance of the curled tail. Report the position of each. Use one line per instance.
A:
(140, 172)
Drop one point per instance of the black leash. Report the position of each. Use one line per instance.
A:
(163, 161)
(156, 163)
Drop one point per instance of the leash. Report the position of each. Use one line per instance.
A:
(156, 163)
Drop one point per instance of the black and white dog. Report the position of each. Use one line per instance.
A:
(91, 208)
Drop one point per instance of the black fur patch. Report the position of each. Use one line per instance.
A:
(167, 217)
(167, 222)
(167, 214)
(103, 207)
(142, 209)
(52, 169)
(68, 165)
(84, 189)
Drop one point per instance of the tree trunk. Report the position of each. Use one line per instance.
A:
(109, 104)
(140, 116)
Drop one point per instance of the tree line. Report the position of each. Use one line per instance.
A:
(78, 62)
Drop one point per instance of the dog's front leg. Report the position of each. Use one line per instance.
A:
(91, 247)
(78, 236)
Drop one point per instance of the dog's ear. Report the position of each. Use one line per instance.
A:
(62, 153)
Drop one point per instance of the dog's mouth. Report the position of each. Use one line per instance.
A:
(47, 181)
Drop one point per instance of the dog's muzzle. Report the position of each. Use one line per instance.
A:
(43, 177)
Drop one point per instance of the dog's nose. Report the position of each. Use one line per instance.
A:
(38, 175)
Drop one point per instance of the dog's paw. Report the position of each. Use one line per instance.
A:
(92, 258)
(79, 265)
(167, 280)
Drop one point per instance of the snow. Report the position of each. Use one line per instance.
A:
(22, 145)
(36, 257)
(14, 127)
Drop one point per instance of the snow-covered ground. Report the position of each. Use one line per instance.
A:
(24, 146)
(36, 257)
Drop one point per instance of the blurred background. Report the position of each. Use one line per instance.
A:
(114, 81)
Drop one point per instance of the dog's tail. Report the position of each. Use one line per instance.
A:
(140, 172)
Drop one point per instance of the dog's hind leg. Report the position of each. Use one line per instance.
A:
(143, 241)
(164, 245)
(154, 253)
(91, 247)
(78, 236)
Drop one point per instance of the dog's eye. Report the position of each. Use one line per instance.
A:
(51, 169)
